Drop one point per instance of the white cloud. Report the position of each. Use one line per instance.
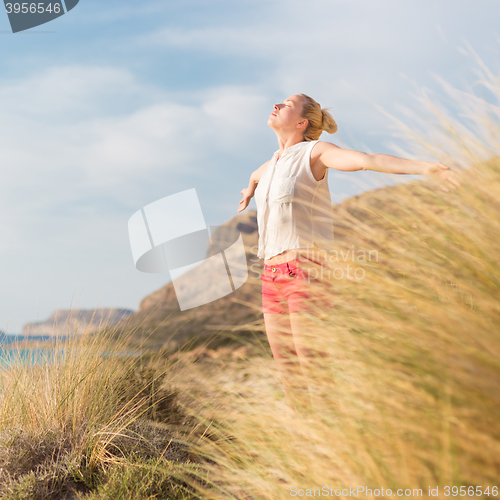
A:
(83, 145)
(50, 160)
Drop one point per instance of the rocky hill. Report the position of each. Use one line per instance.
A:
(163, 324)
(160, 324)
(78, 321)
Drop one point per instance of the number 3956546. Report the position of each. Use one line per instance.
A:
(32, 8)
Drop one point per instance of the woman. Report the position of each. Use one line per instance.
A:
(294, 215)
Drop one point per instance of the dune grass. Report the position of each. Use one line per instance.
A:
(403, 377)
(89, 420)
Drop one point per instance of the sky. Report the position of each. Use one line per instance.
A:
(120, 103)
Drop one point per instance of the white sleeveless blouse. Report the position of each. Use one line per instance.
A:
(294, 210)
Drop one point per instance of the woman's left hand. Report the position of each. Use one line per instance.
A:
(442, 175)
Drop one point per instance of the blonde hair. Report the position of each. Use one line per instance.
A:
(319, 119)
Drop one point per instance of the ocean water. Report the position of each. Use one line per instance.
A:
(31, 356)
(8, 357)
(37, 355)
(11, 338)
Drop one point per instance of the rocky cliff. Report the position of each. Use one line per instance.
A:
(77, 321)
(159, 322)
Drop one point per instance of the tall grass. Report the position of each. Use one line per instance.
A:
(90, 418)
(405, 377)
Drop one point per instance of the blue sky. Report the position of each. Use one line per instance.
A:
(120, 103)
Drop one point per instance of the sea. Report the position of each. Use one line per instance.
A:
(30, 356)
(37, 355)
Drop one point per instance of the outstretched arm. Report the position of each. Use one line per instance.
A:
(331, 156)
(252, 186)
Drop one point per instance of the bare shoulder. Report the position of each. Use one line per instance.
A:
(317, 151)
(318, 169)
(328, 155)
(320, 148)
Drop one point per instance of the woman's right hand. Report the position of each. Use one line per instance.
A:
(247, 196)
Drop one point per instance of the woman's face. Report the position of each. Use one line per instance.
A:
(287, 114)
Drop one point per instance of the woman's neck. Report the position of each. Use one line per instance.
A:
(287, 142)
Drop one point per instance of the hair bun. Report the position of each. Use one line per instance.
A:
(328, 124)
(319, 119)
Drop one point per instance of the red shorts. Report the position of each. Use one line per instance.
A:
(286, 288)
